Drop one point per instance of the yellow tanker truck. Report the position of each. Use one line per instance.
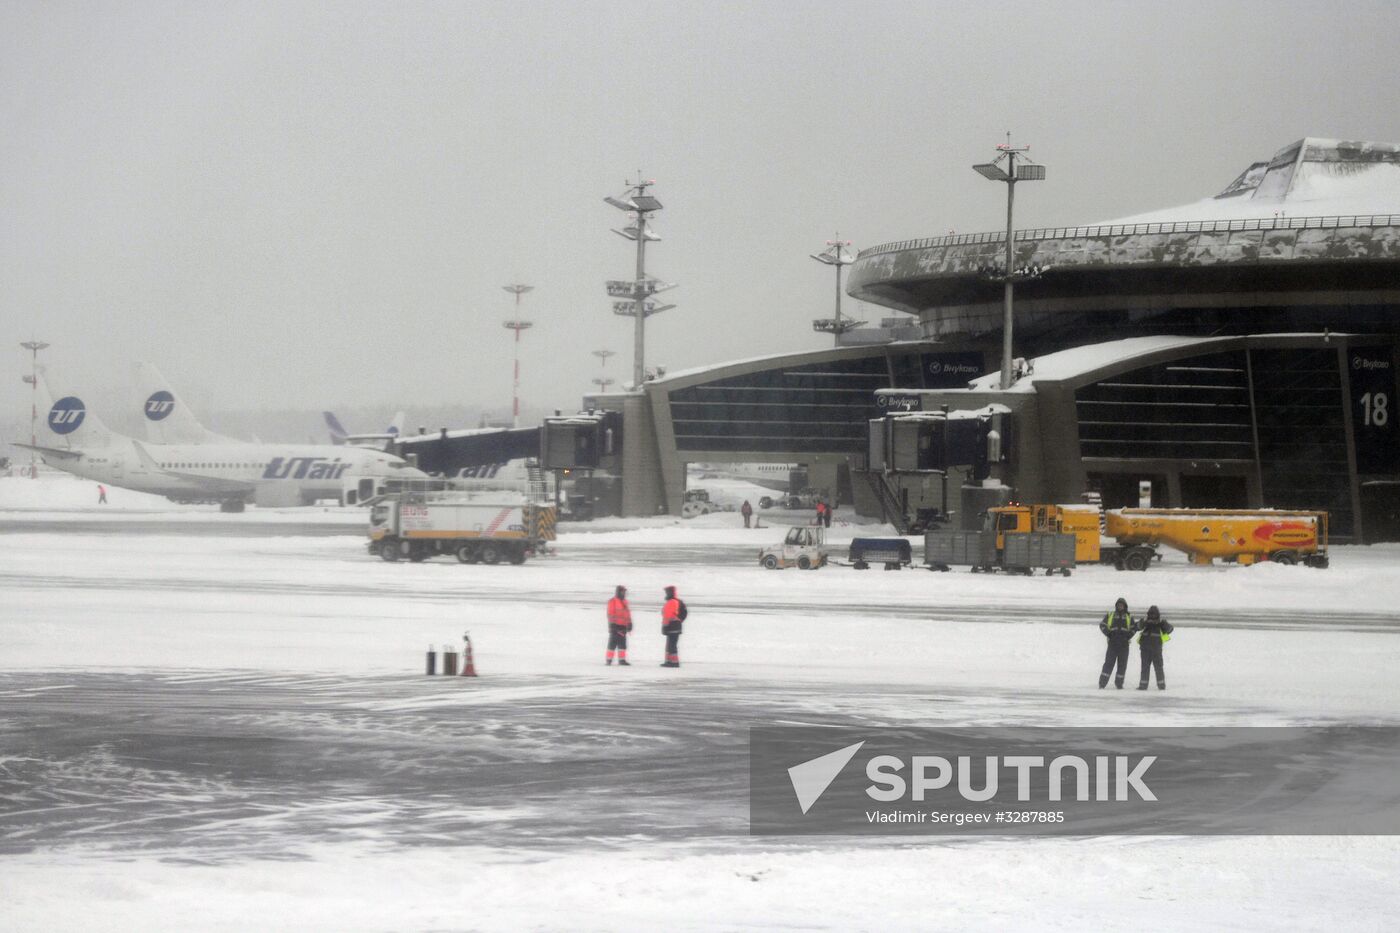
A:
(1238, 536)
(1233, 536)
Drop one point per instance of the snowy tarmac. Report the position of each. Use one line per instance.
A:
(233, 731)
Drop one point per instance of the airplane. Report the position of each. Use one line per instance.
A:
(377, 441)
(769, 475)
(231, 473)
(168, 420)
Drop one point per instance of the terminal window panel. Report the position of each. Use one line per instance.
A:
(813, 408)
(1195, 409)
(1302, 432)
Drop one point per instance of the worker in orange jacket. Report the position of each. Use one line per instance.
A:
(673, 614)
(619, 624)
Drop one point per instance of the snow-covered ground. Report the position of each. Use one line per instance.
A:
(233, 732)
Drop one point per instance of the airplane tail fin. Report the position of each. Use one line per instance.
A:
(396, 426)
(68, 422)
(338, 432)
(168, 420)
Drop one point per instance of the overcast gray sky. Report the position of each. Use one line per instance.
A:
(298, 205)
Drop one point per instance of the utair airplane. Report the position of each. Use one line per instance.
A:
(232, 473)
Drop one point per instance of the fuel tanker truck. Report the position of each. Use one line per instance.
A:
(1129, 538)
(1243, 537)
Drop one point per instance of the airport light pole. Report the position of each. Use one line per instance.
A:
(836, 255)
(1011, 174)
(637, 202)
(33, 346)
(517, 325)
(602, 380)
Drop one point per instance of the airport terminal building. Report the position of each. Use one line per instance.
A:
(1236, 352)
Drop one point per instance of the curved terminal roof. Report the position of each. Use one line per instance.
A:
(1316, 225)
(1308, 178)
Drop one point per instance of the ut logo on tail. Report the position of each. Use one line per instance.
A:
(159, 405)
(66, 415)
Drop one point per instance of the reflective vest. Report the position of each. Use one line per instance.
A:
(618, 612)
(1116, 623)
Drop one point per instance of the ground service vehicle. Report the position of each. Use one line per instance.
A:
(416, 527)
(1246, 537)
(801, 499)
(697, 502)
(1082, 521)
(1020, 551)
(803, 548)
(894, 553)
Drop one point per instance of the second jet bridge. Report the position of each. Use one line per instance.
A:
(930, 444)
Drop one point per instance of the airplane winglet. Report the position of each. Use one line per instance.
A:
(147, 460)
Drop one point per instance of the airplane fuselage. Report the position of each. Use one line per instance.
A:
(264, 473)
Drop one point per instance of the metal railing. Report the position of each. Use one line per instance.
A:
(1185, 226)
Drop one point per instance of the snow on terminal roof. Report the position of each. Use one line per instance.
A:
(1066, 364)
(1312, 177)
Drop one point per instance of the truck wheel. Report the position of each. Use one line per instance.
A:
(466, 554)
(1065, 571)
(1136, 561)
(517, 555)
(1287, 558)
(389, 551)
(861, 565)
(418, 554)
(804, 562)
(770, 562)
(490, 554)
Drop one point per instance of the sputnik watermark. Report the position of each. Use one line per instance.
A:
(1125, 772)
(1091, 781)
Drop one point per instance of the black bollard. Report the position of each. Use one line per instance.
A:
(432, 661)
(449, 662)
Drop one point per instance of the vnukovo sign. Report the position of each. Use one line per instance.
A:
(1067, 781)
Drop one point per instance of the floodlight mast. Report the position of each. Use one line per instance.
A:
(517, 325)
(836, 255)
(1011, 174)
(635, 200)
(602, 380)
(33, 346)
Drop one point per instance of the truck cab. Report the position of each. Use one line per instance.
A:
(1080, 521)
(804, 547)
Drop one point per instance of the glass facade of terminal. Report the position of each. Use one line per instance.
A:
(808, 408)
(1279, 413)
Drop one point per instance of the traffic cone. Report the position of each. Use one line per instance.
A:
(468, 662)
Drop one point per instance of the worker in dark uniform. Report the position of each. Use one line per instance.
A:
(1155, 630)
(747, 511)
(672, 616)
(1118, 627)
(619, 624)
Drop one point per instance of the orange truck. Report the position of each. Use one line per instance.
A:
(1234, 536)
(1082, 521)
